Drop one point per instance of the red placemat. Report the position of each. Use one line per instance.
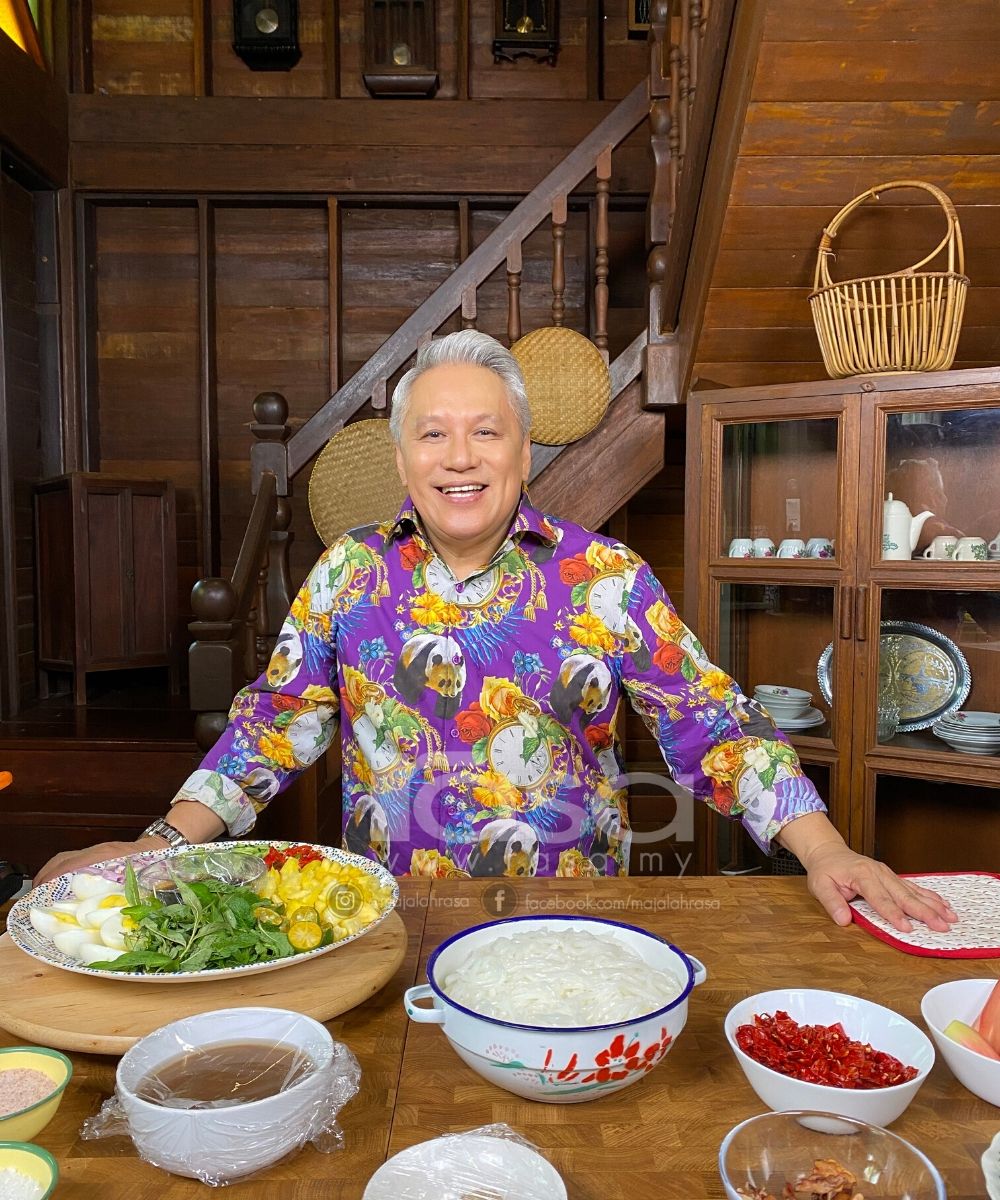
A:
(974, 895)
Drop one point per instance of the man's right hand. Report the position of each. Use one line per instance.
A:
(77, 860)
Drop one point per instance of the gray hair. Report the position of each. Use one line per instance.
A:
(473, 348)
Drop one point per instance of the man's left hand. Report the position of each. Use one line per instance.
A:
(836, 874)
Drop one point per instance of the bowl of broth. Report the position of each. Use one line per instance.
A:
(223, 1094)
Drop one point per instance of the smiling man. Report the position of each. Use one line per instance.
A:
(477, 653)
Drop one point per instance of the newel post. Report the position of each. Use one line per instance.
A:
(269, 452)
(215, 657)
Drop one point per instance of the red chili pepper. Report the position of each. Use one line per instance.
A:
(819, 1053)
(275, 858)
(305, 854)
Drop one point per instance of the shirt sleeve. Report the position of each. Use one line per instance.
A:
(715, 741)
(286, 719)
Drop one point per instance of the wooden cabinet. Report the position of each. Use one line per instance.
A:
(107, 575)
(817, 460)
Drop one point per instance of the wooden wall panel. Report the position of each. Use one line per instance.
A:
(391, 261)
(848, 95)
(21, 456)
(309, 77)
(157, 48)
(272, 334)
(147, 350)
(150, 52)
(567, 80)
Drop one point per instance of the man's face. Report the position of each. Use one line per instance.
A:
(462, 456)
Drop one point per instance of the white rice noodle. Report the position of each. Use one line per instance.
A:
(559, 980)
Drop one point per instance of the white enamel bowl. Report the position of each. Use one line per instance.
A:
(962, 1000)
(225, 1143)
(769, 1150)
(862, 1021)
(557, 1065)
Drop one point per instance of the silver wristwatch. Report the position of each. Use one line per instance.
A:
(170, 833)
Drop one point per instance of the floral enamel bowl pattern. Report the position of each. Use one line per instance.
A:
(557, 1065)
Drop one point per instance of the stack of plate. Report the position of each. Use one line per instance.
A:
(789, 707)
(971, 732)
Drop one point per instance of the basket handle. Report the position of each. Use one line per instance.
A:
(952, 238)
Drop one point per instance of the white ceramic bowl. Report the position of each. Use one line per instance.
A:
(962, 1000)
(557, 1065)
(225, 1143)
(781, 694)
(862, 1021)
(771, 1149)
(468, 1164)
(991, 1168)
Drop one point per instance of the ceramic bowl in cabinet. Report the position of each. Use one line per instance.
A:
(863, 1021)
(554, 1064)
(962, 1000)
(774, 1148)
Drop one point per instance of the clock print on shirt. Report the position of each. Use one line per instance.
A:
(506, 753)
(473, 592)
(380, 757)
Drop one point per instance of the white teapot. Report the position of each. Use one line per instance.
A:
(900, 529)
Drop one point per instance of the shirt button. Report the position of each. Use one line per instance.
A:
(459, 587)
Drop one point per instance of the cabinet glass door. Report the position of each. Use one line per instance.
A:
(939, 675)
(773, 636)
(779, 481)
(945, 463)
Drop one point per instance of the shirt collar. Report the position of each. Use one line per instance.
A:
(527, 521)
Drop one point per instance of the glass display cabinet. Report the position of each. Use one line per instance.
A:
(842, 538)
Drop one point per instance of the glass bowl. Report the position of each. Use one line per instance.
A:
(196, 865)
(774, 1148)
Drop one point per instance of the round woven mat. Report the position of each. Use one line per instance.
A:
(568, 384)
(355, 481)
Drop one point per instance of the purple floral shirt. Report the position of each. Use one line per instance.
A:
(481, 720)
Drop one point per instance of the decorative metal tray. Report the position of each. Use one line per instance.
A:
(932, 678)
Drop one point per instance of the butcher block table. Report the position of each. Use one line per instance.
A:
(656, 1140)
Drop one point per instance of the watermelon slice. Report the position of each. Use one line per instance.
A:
(966, 1036)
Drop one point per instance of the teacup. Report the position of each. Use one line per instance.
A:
(763, 547)
(741, 548)
(970, 549)
(792, 548)
(819, 547)
(943, 546)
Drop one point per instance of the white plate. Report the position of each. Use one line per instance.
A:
(24, 935)
(971, 721)
(811, 717)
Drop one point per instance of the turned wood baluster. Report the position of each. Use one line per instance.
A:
(270, 431)
(601, 239)
(215, 658)
(513, 292)
(260, 643)
(661, 123)
(469, 308)
(559, 217)
(681, 97)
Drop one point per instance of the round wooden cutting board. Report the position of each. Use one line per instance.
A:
(77, 1012)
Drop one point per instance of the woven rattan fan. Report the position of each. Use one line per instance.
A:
(567, 381)
(355, 481)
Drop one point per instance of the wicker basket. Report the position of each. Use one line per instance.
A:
(907, 321)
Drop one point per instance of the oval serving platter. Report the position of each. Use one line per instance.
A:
(933, 679)
(24, 935)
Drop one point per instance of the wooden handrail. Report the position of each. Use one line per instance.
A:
(253, 551)
(480, 264)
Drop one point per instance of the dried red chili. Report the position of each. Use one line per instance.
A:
(819, 1053)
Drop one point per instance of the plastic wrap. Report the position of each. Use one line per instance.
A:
(224, 1094)
(490, 1163)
